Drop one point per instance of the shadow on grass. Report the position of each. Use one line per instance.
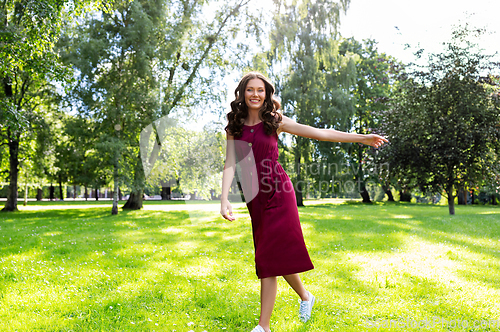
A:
(150, 254)
(473, 236)
(89, 227)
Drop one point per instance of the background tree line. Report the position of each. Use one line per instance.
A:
(81, 81)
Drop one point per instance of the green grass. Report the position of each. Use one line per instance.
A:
(81, 269)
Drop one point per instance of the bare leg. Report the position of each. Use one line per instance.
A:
(294, 281)
(269, 287)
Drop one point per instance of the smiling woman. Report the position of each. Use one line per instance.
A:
(263, 107)
(255, 94)
(252, 142)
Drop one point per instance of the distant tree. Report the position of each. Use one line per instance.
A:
(375, 75)
(115, 88)
(314, 79)
(444, 121)
(190, 158)
(78, 156)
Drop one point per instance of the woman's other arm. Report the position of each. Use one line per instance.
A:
(227, 179)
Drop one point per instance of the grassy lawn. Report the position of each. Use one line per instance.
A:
(81, 269)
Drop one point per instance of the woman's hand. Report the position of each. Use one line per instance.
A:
(226, 207)
(374, 140)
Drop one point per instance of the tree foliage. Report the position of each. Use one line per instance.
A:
(29, 65)
(376, 74)
(140, 61)
(113, 54)
(444, 121)
(315, 78)
(191, 159)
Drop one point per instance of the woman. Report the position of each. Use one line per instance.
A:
(254, 124)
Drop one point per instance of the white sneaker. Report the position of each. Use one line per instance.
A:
(306, 307)
(258, 328)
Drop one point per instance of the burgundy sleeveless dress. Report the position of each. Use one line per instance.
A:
(270, 197)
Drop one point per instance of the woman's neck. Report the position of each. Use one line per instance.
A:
(252, 117)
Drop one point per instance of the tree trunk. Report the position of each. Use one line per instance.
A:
(51, 192)
(359, 178)
(364, 193)
(298, 187)
(165, 193)
(451, 200)
(96, 194)
(86, 193)
(114, 210)
(120, 197)
(39, 194)
(74, 191)
(134, 201)
(61, 196)
(404, 196)
(26, 193)
(388, 192)
(12, 195)
(462, 197)
(298, 193)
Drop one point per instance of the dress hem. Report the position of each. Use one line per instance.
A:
(284, 274)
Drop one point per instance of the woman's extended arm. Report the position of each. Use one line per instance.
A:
(332, 135)
(227, 179)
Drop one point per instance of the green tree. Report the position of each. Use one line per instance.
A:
(79, 158)
(112, 53)
(375, 75)
(194, 160)
(444, 122)
(137, 64)
(28, 64)
(315, 81)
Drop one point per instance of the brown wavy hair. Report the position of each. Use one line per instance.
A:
(268, 114)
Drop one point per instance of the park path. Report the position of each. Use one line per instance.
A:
(146, 207)
(215, 206)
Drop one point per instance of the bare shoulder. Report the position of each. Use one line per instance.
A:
(282, 124)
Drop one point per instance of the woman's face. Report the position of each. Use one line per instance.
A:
(255, 93)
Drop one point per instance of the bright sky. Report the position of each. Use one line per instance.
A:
(422, 24)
